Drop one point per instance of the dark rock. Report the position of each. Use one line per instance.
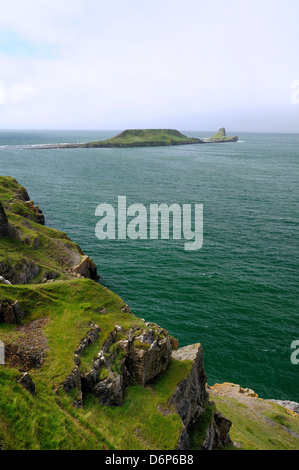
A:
(184, 442)
(90, 338)
(110, 391)
(191, 397)
(73, 380)
(6, 230)
(86, 268)
(11, 312)
(37, 212)
(27, 383)
(22, 272)
(222, 426)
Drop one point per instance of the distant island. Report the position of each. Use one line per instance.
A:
(220, 137)
(145, 138)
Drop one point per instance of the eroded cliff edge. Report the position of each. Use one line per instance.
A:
(76, 350)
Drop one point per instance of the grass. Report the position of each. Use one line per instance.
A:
(48, 420)
(199, 430)
(70, 307)
(33, 423)
(145, 137)
(267, 426)
(139, 423)
(49, 249)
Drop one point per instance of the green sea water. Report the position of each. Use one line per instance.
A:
(238, 295)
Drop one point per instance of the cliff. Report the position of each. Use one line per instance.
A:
(29, 251)
(81, 371)
(258, 424)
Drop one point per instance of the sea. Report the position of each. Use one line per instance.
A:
(238, 294)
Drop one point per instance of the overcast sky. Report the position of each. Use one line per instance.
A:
(115, 64)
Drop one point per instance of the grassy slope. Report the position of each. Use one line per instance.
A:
(54, 247)
(50, 419)
(145, 137)
(260, 425)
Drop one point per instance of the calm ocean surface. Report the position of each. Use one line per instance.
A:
(238, 295)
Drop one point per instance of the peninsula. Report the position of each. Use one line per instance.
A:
(143, 138)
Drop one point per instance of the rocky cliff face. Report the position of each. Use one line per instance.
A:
(20, 219)
(141, 356)
(191, 399)
(6, 230)
(138, 354)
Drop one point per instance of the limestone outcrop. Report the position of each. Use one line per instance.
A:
(86, 268)
(139, 354)
(21, 272)
(191, 400)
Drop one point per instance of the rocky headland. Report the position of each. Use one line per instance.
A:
(68, 338)
(82, 372)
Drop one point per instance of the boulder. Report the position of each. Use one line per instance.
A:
(11, 312)
(149, 355)
(27, 383)
(110, 391)
(86, 268)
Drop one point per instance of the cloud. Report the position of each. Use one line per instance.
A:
(2, 93)
(96, 64)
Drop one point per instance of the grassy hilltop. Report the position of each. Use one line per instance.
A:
(146, 138)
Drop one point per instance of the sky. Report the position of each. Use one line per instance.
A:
(118, 64)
